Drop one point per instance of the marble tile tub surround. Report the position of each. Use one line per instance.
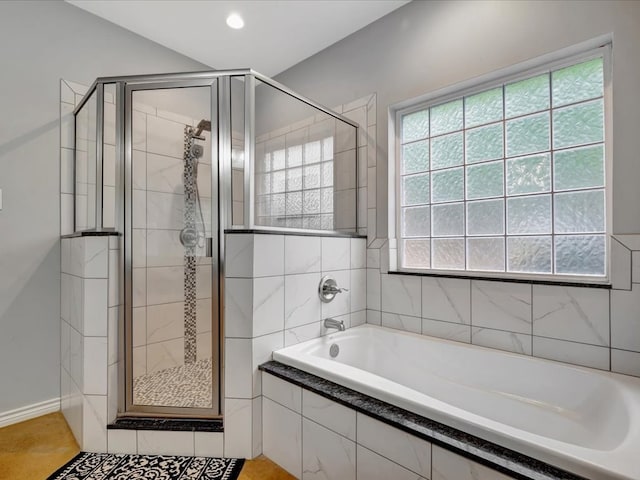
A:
(271, 301)
(593, 327)
(315, 428)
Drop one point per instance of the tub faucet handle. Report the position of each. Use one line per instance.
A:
(328, 289)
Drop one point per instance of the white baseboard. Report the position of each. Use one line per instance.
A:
(30, 411)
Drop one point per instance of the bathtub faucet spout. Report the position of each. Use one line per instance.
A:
(333, 323)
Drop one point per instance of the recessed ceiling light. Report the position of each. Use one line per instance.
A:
(235, 21)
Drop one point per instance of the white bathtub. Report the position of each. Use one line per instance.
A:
(578, 419)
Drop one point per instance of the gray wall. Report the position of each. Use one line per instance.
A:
(41, 43)
(425, 46)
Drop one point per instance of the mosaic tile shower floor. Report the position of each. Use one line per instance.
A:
(187, 385)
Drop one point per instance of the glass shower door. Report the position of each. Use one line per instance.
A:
(171, 329)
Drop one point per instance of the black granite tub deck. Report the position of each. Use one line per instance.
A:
(482, 451)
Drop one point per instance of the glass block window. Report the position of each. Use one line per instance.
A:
(295, 186)
(509, 179)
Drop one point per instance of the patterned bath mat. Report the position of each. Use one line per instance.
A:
(108, 466)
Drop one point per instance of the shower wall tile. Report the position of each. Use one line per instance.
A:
(203, 281)
(303, 254)
(209, 444)
(163, 355)
(293, 336)
(571, 313)
(502, 340)
(620, 268)
(326, 454)
(139, 209)
(139, 247)
(239, 256)
(282, 436)
(164, 211)
(139, 134)
(268, 305)
(122, 441)
(139, 170)
(450, 331)
(154, 442)
(76, 303)
(203, 346)
(95, 307)
(112, 392)
(238, 307)
(358, 253)
(283, 392)
(373, 289)
(447, 465)
(164, 285)
(371, 465)
(571, 352)
(139, 361)
(625, 319)
(336, 253)
(262, 349)
(502, 306)
(402, 322)
(162, 322)
(164, 174)
(94, 423)
(112, 335)
(358, 290)
(238, 358)
(302, 303)
(268, 256)
(238, 428)
(401, 294)
(400, 447)
(446, 299)
(94, 366)
(328, 413)
(373, 258)
(65, 297)
(161, 137)
(625, 362)
(65, 347)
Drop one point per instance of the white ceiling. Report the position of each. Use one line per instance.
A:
(277, 33)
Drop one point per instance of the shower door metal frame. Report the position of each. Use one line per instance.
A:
(127, 407)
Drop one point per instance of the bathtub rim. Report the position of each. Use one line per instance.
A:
(603, 464)
(492, 455)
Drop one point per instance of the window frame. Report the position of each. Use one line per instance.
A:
(598, 48)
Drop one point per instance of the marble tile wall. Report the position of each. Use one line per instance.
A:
(158, 255)
(593, 327)
(271, 301)
(315, 438)
(85, 353)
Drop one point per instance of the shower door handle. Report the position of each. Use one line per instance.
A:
(209, 247)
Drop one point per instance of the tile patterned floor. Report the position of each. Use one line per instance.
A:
(166, 387)
(34, 449)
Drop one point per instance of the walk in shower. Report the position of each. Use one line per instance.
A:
(172, 162)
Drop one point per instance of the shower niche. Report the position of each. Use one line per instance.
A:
(169, 164)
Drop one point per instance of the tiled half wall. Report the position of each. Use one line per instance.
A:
(271, 301)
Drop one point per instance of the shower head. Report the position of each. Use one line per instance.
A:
(203, 125)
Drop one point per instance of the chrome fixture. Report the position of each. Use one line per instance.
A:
(333, 323)
(328, 289)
